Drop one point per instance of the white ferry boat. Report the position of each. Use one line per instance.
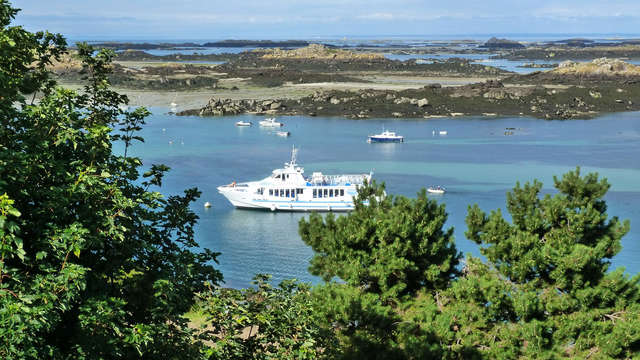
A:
(270, 122)
(288, 189)
(386, 136)
(436, 189)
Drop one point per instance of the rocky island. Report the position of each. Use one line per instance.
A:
(573, 90)
(319, 80)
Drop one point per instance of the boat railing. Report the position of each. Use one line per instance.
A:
(333, 180)
(234, 184)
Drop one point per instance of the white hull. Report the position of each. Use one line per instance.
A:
(435, 191)
(245, 200)
(385, 137)
(270, 123)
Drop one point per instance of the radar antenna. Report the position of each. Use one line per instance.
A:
(294, 156)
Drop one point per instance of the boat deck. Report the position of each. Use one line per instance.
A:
(337, 180)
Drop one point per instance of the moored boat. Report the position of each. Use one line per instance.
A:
(436, 190)
(288, 189)
(283, 133)
(385, 136)
(244, 123)
(270, 122)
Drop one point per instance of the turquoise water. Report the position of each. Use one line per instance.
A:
(475, 161)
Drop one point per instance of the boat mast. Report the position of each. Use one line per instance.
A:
(294, 156)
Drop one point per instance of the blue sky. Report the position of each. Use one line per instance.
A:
(293, 19)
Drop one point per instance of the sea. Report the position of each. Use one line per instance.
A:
(478, 161)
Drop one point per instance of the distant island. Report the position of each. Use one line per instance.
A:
(257, 43)
(495, 43)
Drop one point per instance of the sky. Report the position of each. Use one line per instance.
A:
(306, 19)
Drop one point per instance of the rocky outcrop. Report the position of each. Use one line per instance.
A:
(490, 97)
(598, 71)
(318, 52)
(598, 67)
(495, 43)
(220, 107)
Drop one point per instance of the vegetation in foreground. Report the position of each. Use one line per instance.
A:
(95, 264)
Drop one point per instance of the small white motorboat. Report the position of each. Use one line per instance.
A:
(270, 122)
(207, 204)
(435, 190)
(386, 136)
(443, 132)
(283, 133)
(243, 123)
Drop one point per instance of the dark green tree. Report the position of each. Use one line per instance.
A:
(547, 292)
(384, 252)
(93, 263)
(389, 245)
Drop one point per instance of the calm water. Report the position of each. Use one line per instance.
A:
(475, 162)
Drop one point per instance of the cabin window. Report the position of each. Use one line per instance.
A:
(331, 193)
(319, 193)
(270, 191)
(287, 193)
(315, 193)
(299, 191)
(341, 192)
(293, 192)
(326, 192)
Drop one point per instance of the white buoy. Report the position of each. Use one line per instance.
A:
(207, 204)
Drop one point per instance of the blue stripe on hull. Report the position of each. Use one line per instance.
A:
(385, 140)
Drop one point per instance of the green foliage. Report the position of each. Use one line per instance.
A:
(385, 251)
(545, 291)
(389, 245)
(264, 322)
(93, 264)
(563, 240)
(548, 293)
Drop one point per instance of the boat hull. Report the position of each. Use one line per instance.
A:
(243, 200)
(435, 191)
(385, 140)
